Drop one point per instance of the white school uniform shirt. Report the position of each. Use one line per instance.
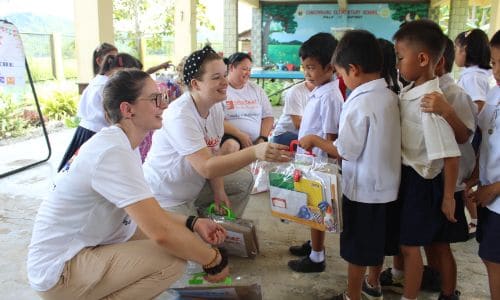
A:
(475, 81)
(246, 107)
(295, 101)
(426, 138)
(322, 113)
(169, 174)
(466, 111)
(90, 109)
(369, 143)
(85, 208)
(489, 157)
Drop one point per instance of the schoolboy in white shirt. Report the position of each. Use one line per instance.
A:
(369, 144)
(488, 194)
(321, 117)
(430, 158)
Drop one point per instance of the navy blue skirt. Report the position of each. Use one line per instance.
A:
(81, 136)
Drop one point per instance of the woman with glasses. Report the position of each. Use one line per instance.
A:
(101, 233)
(90, 109)
(247, 110)
(184, 167)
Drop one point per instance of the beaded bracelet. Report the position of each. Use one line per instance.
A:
(210, 264)
(218, 268)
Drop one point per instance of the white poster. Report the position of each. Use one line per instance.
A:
(12, 60)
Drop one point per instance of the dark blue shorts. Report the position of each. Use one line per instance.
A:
(421, 218)
(459, 231)
(488, 235)
(370, 232)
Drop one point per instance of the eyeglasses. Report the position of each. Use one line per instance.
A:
(159, 99)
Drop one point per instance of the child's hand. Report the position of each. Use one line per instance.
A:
(308, 142)
(435, 103)
(484, 195)
(448, 208)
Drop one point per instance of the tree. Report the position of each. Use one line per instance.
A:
(154, 18)
(283, 15)
(408, 12)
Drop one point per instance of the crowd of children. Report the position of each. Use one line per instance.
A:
(413, 145)
(396, 206)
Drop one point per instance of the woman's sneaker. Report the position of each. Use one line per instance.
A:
(389, 283)
(371, 293)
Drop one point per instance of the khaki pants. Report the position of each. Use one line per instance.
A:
(237, 185)
(137, 269)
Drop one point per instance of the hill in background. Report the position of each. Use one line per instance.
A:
(32, 23)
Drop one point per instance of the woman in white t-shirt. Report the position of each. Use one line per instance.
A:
(101, 233)
(90, 109)
(184, 167)
(247, 110)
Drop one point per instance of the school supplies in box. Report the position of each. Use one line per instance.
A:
(241, 237)
(307, 192)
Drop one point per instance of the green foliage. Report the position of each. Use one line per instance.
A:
(60, 106)
(72, 122)
(408, 12)
(284, 54)
(159, 23)
(272, 89)
(283, 15)
(12, 123)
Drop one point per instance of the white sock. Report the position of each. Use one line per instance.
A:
(317, 256)
(397, 273)
(473, 221)
(404, 298)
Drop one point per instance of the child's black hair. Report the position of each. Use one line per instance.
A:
(320, 47)
(389, 71)
(121, 60)
(477, 48)
(449, 55)
(360, 48)
(423, 33)
(495, 40)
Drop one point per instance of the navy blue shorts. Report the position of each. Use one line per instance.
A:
(370, 232)
(459, 231)
(488, 235)
(421, 218)
(79, 138)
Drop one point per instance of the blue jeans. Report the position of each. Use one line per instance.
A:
(284, 138)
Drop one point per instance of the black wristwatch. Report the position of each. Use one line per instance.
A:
(264, 138)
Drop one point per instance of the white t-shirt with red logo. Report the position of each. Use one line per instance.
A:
(246, 107)
(169, 174)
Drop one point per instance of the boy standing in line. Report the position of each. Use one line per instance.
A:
(369, 144)
(321, 117)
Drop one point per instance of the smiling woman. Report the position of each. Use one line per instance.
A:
(184, 167)
(101, 232)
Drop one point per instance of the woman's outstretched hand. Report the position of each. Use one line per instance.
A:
(272, 152)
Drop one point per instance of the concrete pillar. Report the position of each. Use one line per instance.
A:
(93, 26)
(494, 18)
(56, 57)
(185, 28)
(230, 39)
(458, 17)
(257, 36)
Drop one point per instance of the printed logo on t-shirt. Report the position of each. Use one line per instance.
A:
(126, 221)
(213, 143)
(229, 104)
(242, 108)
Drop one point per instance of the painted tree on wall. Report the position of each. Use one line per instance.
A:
(404, 12)
(283, 17)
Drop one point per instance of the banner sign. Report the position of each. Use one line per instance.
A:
(286, 26)
(12, 60)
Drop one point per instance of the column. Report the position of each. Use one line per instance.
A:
(185, 28)
(230, 38)
(93, 26)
